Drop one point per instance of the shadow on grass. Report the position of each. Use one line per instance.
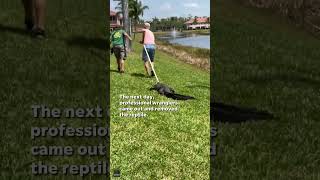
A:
(86, 43)
(198, 86)
(96, 46)
(15, 30)
(232, 114)
(116, 71)
(139, 75)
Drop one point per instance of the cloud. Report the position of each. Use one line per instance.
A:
(191, 5)
(166, 7)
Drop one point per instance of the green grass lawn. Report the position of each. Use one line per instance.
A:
(68, 69)
(261, 61)
(162, 145)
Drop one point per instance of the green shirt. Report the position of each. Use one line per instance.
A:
(117, 38)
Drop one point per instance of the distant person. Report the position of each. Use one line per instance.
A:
(148, 41)
(35, 12)
(117, 39)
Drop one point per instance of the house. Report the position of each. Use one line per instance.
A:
(115, 20)
(199, 23)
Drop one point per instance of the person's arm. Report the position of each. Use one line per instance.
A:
(126, 35)
(142, 41)
(141, 31)
(111, 38)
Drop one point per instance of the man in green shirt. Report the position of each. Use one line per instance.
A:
(117, 39)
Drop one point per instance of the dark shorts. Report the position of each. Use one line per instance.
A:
(151, 52)
(119, 52)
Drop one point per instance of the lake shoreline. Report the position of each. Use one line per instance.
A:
(199, 57)
(199, 31)
(191, 38)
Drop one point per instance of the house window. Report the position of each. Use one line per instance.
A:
(112, 18)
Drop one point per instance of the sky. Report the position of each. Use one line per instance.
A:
(169, 8)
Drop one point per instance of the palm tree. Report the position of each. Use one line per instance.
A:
(126, 20)
(119, 9)
(195, 20)
(136, 10)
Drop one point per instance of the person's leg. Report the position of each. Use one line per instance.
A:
(40, 11)
(146, 67)
(146, 62)
(117, 54)
(122, 66)
(39, 23)
(122, 55)
(29, 14)
(151, 55)
(118, 63)
(152, 72)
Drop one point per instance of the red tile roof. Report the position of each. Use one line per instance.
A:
(199, 20)
(114, 25)
(112, 13)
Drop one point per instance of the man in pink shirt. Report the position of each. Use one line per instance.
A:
(148, 41)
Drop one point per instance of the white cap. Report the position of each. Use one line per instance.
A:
(146, 25)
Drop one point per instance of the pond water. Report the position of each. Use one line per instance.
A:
(186, 39)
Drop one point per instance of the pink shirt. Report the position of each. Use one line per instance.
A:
(148, 37)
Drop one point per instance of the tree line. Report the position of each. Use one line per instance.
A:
(167, 24)
(136, 11)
